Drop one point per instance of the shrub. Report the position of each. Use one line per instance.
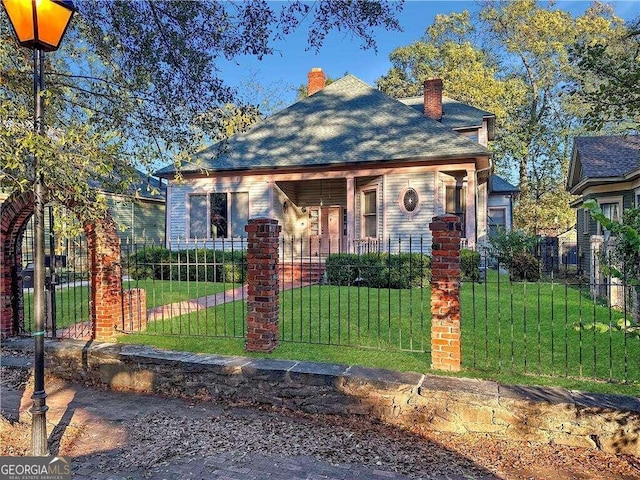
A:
(470, 265)
(193, 265)
(524, 267)
(379, 270)
(341, 268)
(513, 250)
(149, 262)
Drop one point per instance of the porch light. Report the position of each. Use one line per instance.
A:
(39, 24)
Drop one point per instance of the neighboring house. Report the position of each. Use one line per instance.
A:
(500, 206)
(344, 166)
(140, 215)
(606, 169)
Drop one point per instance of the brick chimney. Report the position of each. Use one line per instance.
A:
(316, 80)
(433, 98)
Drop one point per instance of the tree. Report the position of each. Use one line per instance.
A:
(137, 84)
(447, 51)
(609, 75)
(512, 60)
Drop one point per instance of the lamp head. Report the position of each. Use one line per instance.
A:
(39, 24)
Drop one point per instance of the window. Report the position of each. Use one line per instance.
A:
(497, 219)
(450, 203)
(370, 214)
(409, 200)
(197, 216)
(218, 215)
(612, 211)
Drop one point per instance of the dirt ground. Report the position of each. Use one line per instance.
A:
(136, 436)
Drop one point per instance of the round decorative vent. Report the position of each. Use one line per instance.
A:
(410, 200)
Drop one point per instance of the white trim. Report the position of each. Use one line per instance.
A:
(618, 199)
(363, 192)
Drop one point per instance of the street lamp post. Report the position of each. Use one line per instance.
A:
(40, 26)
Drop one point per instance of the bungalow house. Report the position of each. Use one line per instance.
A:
(606, 169)
(346, 166)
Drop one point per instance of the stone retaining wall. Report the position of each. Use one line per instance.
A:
(607, 422)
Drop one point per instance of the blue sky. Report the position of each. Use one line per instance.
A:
(281, 73)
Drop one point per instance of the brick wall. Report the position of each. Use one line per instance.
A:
(14, 215)
(445, 293)
(263, 286)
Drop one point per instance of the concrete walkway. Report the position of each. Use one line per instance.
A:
(164, 312)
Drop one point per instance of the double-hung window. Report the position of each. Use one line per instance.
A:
(218, 215)
(612, 209)
(370, 214)
(497, 219)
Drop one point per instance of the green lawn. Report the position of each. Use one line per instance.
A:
(519, 333)
(72, 302)
(511, 330)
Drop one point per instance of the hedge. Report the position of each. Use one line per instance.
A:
(194, 265)
(470, 265)
(379, 270)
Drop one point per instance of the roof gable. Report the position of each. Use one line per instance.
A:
(603, 158)
(498, 184)
(346, 122)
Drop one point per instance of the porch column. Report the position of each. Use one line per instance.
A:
(263, 286)
(470, 225)
(351, 212)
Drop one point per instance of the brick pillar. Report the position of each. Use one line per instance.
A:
(106, 278)
(263, 288)
(445, 293)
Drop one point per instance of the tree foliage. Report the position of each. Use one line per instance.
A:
(513, 59)
(609, 75)
(137, 84)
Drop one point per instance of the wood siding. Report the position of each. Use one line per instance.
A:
(259, 199)
(401, 225)
(138, 221)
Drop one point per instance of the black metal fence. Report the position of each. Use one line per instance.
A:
(554, 319)
(193, 287)
(564, 320)
(67, 286)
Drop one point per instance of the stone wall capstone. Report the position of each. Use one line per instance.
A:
(430, 402)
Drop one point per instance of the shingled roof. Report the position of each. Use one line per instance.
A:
(455, 114)
(347, 122)
(603, 159)
(500, 185)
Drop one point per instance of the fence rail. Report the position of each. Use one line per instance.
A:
(564, 321)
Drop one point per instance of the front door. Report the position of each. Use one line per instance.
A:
(325, 229)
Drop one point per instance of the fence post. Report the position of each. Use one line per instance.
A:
(445, 293)
(105, 269)
(263, 287)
